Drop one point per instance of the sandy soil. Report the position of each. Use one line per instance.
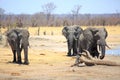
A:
(48, 61)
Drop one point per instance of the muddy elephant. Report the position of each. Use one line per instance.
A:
(93, 40)
(72, 34)
(18, 40)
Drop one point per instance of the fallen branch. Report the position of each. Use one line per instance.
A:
(89, 61)
(98, 62)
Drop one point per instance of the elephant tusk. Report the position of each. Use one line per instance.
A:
(108, 46)
(98, 49)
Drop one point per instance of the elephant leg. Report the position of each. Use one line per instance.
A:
(69, 49)
(14, 56)
(69, 52)
(74, 49)
(19, 61)
(26, 56)
(13, 50)
(19, 56)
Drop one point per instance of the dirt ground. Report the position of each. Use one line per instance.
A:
(48, 61)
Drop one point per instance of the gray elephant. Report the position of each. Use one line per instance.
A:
(72, 34)
(18, 40)
(93, 40)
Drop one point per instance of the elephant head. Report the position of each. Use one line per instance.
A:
(100, 34)
(72, 34)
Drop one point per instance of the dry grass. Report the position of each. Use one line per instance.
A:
(112, 30)
(48, 30)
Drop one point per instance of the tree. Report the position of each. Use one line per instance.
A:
(1, 16)
(75, 13)
(48, 9)
(19, 23)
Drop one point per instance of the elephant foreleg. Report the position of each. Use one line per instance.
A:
(19, 55)
(14, 56)
(26, 56)
(69, 52)
(74, 49)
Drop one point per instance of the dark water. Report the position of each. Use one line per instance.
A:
(113, 51)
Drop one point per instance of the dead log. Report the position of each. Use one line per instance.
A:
(89, 61)
(98, 62)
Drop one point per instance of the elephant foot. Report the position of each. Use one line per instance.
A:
(14, 61)
(26, 63)
(69, 55)
(74, 54)
(19, 62)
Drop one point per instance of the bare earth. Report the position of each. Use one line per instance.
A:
(48, 61)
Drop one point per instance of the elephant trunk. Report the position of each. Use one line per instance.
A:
(101, 50)
(70, 43)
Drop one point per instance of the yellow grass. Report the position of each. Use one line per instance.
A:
(48, 30)
(112, 30)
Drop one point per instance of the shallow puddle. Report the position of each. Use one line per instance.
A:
(113, 51)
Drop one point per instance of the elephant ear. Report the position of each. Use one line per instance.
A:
(106, 33)
(78, 30)
(11, 35)
(99, 31)
(64, 31)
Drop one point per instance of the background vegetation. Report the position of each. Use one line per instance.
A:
(48, 18)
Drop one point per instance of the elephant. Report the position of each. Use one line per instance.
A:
(93, 40)
(72, 34)
(18, 40)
